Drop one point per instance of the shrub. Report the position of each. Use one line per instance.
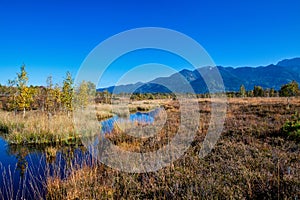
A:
(291, 128)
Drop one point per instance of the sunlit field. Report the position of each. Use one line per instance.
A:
(254, 158)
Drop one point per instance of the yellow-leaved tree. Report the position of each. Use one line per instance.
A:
(24, 96)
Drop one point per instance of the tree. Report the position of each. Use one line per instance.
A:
(24, 95)
(249, 93)
(106, 95)
(290, 89)
(50, 96)
(91, 88)
(242, 91)
(33, 92)
(272, 92)
(82, 95)
(67, 93)
(258, 91)
(57, 97)
(12, 102)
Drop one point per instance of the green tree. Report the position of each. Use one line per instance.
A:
(91, 89)
(272, 92)
(242, 91)
(290, 89)
(82, 95)
(258, 91)
(67, 93)
(57, 97)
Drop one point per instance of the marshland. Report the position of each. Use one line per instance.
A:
(160, 99)
(43, 154)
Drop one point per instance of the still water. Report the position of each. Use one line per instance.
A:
(24, 168)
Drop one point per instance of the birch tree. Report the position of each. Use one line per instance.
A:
(67, 93)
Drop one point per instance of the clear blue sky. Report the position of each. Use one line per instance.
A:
(52, 37)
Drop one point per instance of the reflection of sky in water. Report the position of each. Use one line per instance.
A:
(24, 169)
(148, 118)
(28, 164)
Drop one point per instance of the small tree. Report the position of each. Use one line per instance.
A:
(272, 92)
(12, 102)
(24, 95)
(242, 91)
(289, 90)
(50, 96)
(82, 95)
(107, 96)
(57, 97)
(91, 88)
(67, 93)
(258, 91)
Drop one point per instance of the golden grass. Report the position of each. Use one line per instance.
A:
(36, 127)
(252, 160)
(83, 183)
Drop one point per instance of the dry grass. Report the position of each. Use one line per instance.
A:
(36, 127)
(252, 160)
(85, 183)
(105, 111)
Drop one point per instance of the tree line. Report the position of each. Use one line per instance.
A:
(287, 90)
(17, 96)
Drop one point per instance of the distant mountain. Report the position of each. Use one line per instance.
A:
(271, 76)
(292, 65)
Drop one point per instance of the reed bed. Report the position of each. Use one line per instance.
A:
(252, 160)
(36, 128)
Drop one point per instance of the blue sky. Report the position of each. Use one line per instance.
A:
(52, 37)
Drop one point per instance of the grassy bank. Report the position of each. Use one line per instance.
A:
(40, 128)
(253, 159)
(36, 128)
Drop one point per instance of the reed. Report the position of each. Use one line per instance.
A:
(36, 128)
(251, 160)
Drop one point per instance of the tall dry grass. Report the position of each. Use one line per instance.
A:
(252, 160)
(36, 127)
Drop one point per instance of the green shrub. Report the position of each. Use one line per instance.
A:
(291, 128)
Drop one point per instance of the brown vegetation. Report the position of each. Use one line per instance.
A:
(251, 160)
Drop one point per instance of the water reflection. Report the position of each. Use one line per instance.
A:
(148, 118)
(24, 168)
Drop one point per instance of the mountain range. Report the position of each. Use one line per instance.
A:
(271, 76)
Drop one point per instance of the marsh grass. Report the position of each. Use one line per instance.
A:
(36, 128)
(40, 128)
(252, 160)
